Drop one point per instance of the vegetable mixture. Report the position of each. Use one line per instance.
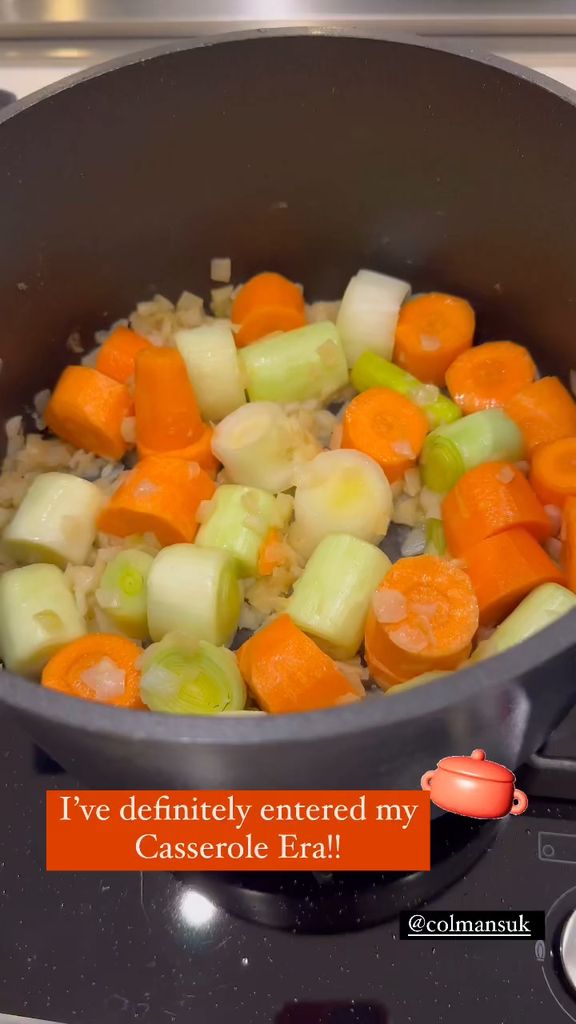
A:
(282, 507)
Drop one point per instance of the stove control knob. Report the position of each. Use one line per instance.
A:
(568, 950)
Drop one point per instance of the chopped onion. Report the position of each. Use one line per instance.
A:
(105, 679)
(410, 638)
(412, 482)
(221, 269)
(404, 448)
(554, 548)
(428, 343)
(506, 474)
(389, 605)
(414, 543)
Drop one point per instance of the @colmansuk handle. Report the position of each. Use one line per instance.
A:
(426, 781)
(520, 802)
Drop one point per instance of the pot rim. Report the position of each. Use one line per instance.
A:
(371, 715)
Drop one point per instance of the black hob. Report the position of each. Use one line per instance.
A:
(213, 949)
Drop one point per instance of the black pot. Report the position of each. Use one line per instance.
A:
(314, 154)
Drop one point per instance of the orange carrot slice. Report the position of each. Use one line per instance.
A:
(266, 289)
(87, 410)
(388, 427)
(268, 320)
(489, 375)
(168, 419)
(545, 411)
(553, 471)
(504, 569)
(161, 495)
(432, 330)
(487, 500)
(117, 355)
(267, 303)
(99, 667)
(569, 543)
(423, 619)
(285, 671)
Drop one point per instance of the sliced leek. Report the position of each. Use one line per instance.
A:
(56, 521)
(435, 537)
(372, 371)
(421, 680)
(451, 450)
(331, 600)
(341, 491)
(239, 521)
(38, 616)
(122, 592)
(211, 359)
(257, 446)
(195, 591)
(181, 676)
(368, 314)
(543, 606)
(297, 366)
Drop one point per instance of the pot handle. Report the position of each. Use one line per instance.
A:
(520, 802)
(426, 780)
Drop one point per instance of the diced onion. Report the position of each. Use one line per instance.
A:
(106, 680)
(389, 606)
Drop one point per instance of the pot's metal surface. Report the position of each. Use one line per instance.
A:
(313, 154)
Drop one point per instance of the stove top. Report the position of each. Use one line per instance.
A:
(165, 949)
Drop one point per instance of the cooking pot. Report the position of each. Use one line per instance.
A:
(313, 153)
(475, 787)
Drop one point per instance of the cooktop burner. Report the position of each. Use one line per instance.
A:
(156, 948)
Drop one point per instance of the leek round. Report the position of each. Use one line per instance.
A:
(181, 676)
(368, 314)
(38, 616)
(211, 359)
(308, 363)
(56, 521)
(331, 600)
(341, 491)
(122, 592)
(239, 521)
(195, 591)
(255, 444)
(451, 450)
(543, 606)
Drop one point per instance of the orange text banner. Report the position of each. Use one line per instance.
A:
(254, 830)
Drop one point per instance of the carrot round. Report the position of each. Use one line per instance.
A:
(267, 303)
(545, 411)
(99, 667)
(489, 375)
(168, 420)
(487, 500)
(388, 427)
(268, 320)
(432, 330)
(160, 495)
(569, 543)
(504, 569)
(553, 471)
(87, 410)
(423, 619)
(117, 355)
(285, 671)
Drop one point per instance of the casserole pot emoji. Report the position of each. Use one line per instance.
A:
(474, 787)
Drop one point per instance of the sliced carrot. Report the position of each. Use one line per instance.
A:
(100, 667)
(117, 356)
(168, 420)
(161, 495)
(487, 500)
(285, 671)
(87, 409)
(553, 471)
(266, 289)
(423, 619)
(432, 330)
(569, 543)
(267, 320)
(504, 569)
(388, 427)
(272, 555)
(489, 375)
(545, 411)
